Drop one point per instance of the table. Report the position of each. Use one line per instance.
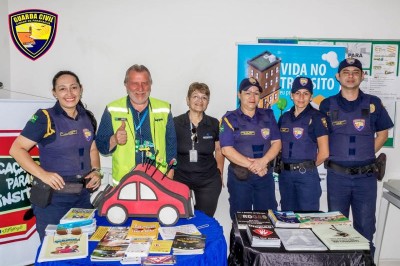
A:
(241, 253)
(392, 195)
(214, 253)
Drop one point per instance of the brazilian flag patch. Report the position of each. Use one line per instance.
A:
(33, 118)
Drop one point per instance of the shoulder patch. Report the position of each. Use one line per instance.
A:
(33, 118)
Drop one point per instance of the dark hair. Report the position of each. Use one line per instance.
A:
(137, 68)
(88, 112)
(197, 86)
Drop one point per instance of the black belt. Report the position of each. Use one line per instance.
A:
(302, 167)
(355, 170)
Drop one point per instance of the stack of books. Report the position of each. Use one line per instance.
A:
(285, 219)
(186, 244)
(75, 218)
(243, 218)
(340, 237)
(262, 236)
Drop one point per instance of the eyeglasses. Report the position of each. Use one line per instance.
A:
(198, 97)
(194, 135)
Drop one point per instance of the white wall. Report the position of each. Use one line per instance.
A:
(4, 51)
(182, 41)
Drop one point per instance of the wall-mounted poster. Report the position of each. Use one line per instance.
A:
(275, 66)
(381, 65)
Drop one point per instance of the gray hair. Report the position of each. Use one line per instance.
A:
(137, 68)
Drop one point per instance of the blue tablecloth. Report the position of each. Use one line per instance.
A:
(214, 253)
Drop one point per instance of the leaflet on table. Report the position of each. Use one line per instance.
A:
(161, 246)
(139, 229)
(294, 239)
(138, 248)
(168, 232)
(65, 247)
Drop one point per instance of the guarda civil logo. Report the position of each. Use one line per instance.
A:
(33, 31)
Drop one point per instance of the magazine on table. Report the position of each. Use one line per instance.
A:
(243, 218)
(284, 219)
(112, 246)
(297, 239)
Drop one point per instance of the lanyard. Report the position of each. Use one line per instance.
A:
(191, 134)
(138, 126)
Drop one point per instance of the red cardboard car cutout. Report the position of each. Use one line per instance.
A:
(146, 192)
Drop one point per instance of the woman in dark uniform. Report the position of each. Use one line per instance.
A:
(250, 140)
(69, 158)
(304, 135)
(200, 162)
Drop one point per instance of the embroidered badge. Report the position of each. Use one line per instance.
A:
(88, 135)
(359, 124)
(33, 31)
(303, 81)
(265, 133)
(298, 132)
(33, 118)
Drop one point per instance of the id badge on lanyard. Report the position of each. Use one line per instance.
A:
(193, 152)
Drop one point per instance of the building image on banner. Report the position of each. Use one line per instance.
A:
(266, 69)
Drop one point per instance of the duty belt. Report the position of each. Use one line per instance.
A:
(355, 170)
(301, 167)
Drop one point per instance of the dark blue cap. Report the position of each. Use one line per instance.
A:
(350, 62)
(248, 83)
(302, 83)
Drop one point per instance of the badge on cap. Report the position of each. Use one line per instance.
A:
(252, 80)
(350, 60)
(303, 81)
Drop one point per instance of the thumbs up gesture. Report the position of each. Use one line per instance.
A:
(121, 135)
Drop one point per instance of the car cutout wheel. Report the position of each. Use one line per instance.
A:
(168, 215)
(117, 214)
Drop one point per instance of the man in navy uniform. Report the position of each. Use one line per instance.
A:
(358, 128)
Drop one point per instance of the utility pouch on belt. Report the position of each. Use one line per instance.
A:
(41, 193)
(381, 165)
(241, 172)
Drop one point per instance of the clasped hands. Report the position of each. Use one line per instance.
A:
(258, 166)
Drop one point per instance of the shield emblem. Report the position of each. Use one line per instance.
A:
(265, 133)
(359, 124)
(298, 132)
(33, 31)
(88, 135)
